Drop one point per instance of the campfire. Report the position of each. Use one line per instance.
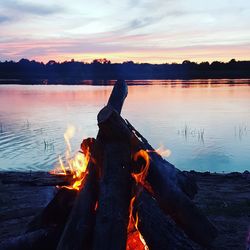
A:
(119, 194)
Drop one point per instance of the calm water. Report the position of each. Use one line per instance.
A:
(206, 126)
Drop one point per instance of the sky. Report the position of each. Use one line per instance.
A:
(154, 31)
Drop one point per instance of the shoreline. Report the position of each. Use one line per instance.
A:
(224, 198)
(110, 82)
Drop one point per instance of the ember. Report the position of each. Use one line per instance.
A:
(122, 195)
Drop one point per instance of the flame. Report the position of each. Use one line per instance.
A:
(130, 220)
(164, 152)
(135, 240)
(96, 206)
(140, 177)
(69, 134)
(75, 166)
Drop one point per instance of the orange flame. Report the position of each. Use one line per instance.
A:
(76, 166)
(140, 177)
(135, 240)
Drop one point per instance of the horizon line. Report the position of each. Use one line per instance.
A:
(122, 62)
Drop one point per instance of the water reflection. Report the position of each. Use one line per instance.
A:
(205, 125)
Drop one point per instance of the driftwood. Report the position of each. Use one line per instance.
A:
(37, 178)
(169, 195)
(114, 198)
(158, 230)
(79, 228)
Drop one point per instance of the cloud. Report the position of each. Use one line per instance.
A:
(153, 30)
(4, 19)
(31, 8)
(139, 23)
(121, 50)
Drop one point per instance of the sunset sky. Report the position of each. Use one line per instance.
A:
(156, 31)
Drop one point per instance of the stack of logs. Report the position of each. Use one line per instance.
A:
(97, 216)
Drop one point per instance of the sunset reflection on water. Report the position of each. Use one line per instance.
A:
(206, 126)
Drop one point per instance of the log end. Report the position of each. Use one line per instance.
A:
(118, 95)
(104, 114)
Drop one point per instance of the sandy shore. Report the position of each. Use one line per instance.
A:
(224, 198)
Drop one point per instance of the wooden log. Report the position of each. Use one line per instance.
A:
(112, 125)
(46, 238)
(78, 232)
(157, 229)
(184, 181)
(184, 212)
(118, 95)
(114, 198)
(166, 189)
(56, 212)
(37, 178)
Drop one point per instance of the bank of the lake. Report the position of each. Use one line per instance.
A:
(224, 198)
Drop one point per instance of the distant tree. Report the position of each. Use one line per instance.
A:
(232, 61)
(128, 62)
(24, 61)
(103, 69)
(51, 62)
(204, 64)
(101, 61)
(186, 62)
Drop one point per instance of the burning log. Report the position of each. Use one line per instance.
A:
(114, 198)
(182, 209)
(79, 228)
(157, 229)
(166, 188)
(112, 124)
(186, 183)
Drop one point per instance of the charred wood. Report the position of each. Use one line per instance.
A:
(114, 198)
(158, 230)
(167, 191)
(78, 232)
(186, 182)
(112, 125)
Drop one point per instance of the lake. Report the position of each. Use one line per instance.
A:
(205, 124)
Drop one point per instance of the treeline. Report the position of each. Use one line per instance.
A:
(26, 71)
